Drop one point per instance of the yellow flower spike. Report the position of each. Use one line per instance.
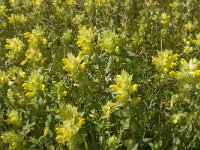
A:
(30, 94)
(134, 87)
(197, 73)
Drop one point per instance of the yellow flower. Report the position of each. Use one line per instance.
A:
(117, 50)
(165, 61)
(108, 108)
(60, 139)
(123, 87)
(165, 70)
(46, 132)
(173, 74)
(176, 118)
(81, 121)
(73, 65)
(42, 87)
(14, 140)
(188, 26)
(15, 18)
(24, 62)
(15, 45)
(59, 130)
(164, 18)
(26, 86)
(154, 61)
(14, 118)
(134, 87)
(108, 41)
(44, 41)
(30, 94)
(22, 74)
(183, 61)
(172, 65)
(174, 4)
(113, 87)
(197, 73)
(10, 55)
(137, 101)
(83, 65)
(175, 56)
(85, 39)
(119, 96)
(64, 93)
(39, 56)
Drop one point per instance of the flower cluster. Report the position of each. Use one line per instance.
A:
(17, 19)
(60, 90)
(123, 87)
(187, 70)
(165, 18)
(35, 40)
(13, 118)
(15, 46)
(108, 109)
(73, 65)
(166, 61)
(72, 122)
(85, 40)
(14, 140)
(108, 42)
(123, 90)
(33, 84)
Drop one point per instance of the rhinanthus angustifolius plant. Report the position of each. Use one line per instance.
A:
(99, 74)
